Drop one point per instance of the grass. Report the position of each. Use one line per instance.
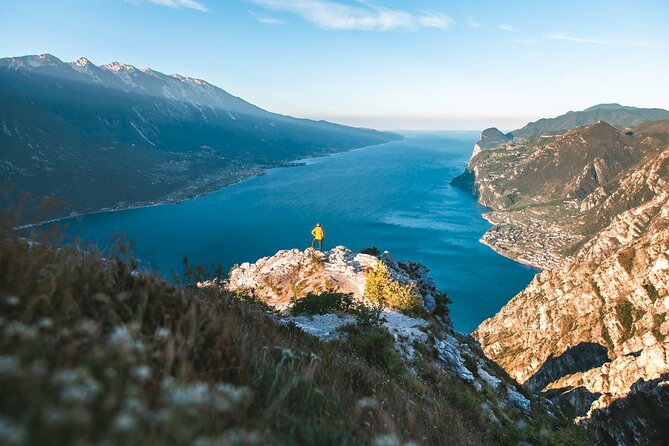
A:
(95, 351)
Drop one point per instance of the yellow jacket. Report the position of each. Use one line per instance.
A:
(318, 233)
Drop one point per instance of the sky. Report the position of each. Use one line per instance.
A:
(388, 64)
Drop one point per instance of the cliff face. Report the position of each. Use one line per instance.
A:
(551, 194)
(592, 333)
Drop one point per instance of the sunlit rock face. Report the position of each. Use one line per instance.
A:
(593, 333)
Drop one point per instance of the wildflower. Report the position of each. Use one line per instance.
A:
(386, 440)
(87, 327)
(162, 332)
(9, 365)
(124, 422)
(16, 328)
(12, 300)
(122, 337)
(142, 372)
(10, 433)
(45, 322)
(287, 353)
(77, 385)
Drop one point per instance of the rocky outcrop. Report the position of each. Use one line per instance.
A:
(593, 333)
(490, 138)
(283, 279)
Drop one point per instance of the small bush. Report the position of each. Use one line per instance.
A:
(322, 304)
(652, 291)
(372, 251)
(375, 345)
(625, 317)
(381, 288)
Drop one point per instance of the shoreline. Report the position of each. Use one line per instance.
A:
(263, 170)
(515, 259)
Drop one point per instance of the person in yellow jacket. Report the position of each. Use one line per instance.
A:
(319, 235)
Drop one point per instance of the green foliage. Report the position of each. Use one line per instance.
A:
(624, 311)
(652, 291)
(381, 288)
(375, 345)
(372, 251)
(322, 303)
(658, 320)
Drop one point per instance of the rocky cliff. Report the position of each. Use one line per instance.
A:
(289, 277)
(590, 332)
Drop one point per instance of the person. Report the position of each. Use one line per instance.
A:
(319, 235)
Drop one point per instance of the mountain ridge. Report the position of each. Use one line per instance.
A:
(117, 137)
(590, 206)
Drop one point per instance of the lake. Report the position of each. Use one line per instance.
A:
(395, 196)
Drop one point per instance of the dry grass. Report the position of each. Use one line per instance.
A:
(93, 351)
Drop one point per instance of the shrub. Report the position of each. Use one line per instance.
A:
(375, 345)
(625, 317)
(322, 303)
(372, 251)
(381, 288)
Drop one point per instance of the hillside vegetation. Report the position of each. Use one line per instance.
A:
(95, 351)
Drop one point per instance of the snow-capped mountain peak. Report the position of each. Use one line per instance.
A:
(82, 62)
(118, 66)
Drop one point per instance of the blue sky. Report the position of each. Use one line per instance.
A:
(422, 64)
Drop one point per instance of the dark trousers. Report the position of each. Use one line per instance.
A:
(320, 244)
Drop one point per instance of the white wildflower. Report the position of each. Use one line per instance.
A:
(87, 327)
(77, 385)
(9, 365)
(122, 337)
(162, 332)
(287, 353)
(10, 433)
(12, 300)
(142, 372)
(226, 396)
(124, 422)
(386, 440)
(45, 322)
(16, 328)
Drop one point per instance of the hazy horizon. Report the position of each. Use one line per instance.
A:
(385, 64)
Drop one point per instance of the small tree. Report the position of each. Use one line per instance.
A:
(381, 288)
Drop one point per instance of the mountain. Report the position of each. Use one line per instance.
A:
(539, 189)
(115, 135)
(614, 114)
(590, 206)
(593, 334)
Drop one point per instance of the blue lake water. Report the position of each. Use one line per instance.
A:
(395, 196)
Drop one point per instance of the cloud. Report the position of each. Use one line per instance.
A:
(508, 28)
(525, 41)
(593, 41)
(473, 23)
(367, 17)
(176, 4)
(267, 20)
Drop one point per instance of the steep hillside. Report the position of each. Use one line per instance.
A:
(114, 135)
(93, 350)
(617, 115)
(592, 333)
(550, 195)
